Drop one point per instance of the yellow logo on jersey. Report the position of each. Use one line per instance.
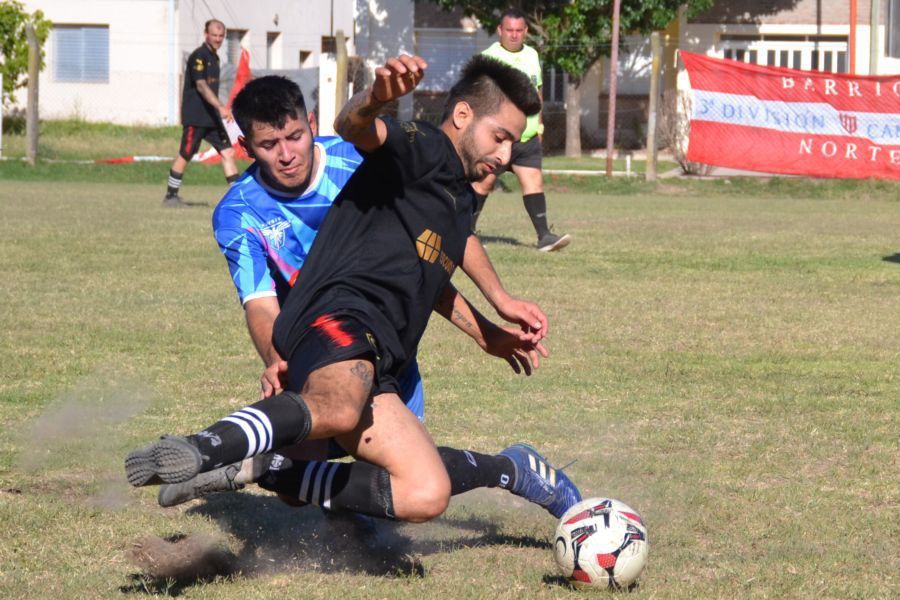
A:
(411, 130)
(198, 64)
(428, 246)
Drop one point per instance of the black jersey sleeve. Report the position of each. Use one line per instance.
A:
(197, 67)
(414, 146)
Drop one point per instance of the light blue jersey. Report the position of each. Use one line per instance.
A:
(265, 235)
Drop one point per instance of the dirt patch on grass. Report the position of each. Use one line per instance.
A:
(184, 558)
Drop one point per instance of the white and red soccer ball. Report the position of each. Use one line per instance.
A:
(602, 542)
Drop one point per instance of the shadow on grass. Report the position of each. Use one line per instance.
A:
(498, 239)
(275, 538)
(894, 258)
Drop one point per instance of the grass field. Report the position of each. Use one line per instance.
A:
(724, 359)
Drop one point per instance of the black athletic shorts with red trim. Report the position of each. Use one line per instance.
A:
(334, 338)
(192, 135)
(530, 154)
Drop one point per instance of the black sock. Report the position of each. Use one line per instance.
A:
(536, 205)
(358, 486)
(469, 470)
(231, 178)
(478, 206)
(174, 183)
(267, 425)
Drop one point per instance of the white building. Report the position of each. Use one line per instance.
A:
(123, 60)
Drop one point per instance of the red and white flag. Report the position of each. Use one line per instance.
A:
(780, 120)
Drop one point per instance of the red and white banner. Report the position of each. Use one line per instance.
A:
(780, 120)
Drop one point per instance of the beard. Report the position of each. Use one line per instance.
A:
(469, 156)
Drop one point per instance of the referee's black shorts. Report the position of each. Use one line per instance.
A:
(192, 135)
(527, 154)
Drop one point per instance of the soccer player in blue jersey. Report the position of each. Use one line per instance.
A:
(283, 177)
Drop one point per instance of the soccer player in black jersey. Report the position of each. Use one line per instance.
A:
(202, 112)
(381, 263)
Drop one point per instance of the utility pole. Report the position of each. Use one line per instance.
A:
(31, 109)
(613, 74)
(874, 49)
(852, 37)
(656, 52)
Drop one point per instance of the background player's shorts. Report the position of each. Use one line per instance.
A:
(192, 135)
(529, 154)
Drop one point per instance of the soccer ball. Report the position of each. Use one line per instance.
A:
(602, 542)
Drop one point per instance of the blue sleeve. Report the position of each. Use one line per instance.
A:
(245, 251)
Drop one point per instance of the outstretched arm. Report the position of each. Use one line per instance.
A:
(513, 345)
(357, 122)
(479, 269)
(260, 314)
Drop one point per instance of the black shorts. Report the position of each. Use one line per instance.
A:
(192, 135)
(334, 338)
(529, 154)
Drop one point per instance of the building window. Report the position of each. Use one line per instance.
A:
(273, 50)
(809, 52)
(893, 29)
(81, 53)
(446, 51)
(233, 40)
(554, 84)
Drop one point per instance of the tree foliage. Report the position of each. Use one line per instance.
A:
(574, 34)
(14, 44)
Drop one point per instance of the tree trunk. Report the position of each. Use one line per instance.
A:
(573, 116)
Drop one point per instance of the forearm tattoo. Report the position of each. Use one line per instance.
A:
(461, 319)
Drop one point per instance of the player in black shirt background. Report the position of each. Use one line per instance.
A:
(202, 112)
(381, 263)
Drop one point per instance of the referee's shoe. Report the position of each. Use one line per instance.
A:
(536, 480)
(550, 242)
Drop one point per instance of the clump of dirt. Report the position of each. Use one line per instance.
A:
(184, 558)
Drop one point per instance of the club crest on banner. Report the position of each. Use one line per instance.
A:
(848, 122)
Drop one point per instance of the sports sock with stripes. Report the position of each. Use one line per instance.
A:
(469, 470)
(358, 486)
(267, 425)
(536, 205)
(174, 183)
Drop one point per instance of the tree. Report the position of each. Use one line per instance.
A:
(574, 34)
(14, 46)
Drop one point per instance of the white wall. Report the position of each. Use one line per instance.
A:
(141, 62)
(138, 69)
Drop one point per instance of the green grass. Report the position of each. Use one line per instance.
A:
(724, 361)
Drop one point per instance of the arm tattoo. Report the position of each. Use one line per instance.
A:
(460, 318)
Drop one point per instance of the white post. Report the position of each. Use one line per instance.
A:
(173, 68)
(327, 92)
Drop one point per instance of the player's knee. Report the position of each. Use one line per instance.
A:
(344, 416)
(427, 500)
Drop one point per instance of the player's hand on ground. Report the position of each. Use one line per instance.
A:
(523, 355)
(273, 379)
(527, 315)
(398, 77)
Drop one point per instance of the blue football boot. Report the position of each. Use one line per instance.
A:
(536, 480)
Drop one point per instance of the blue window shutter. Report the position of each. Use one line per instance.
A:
(81, 53)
